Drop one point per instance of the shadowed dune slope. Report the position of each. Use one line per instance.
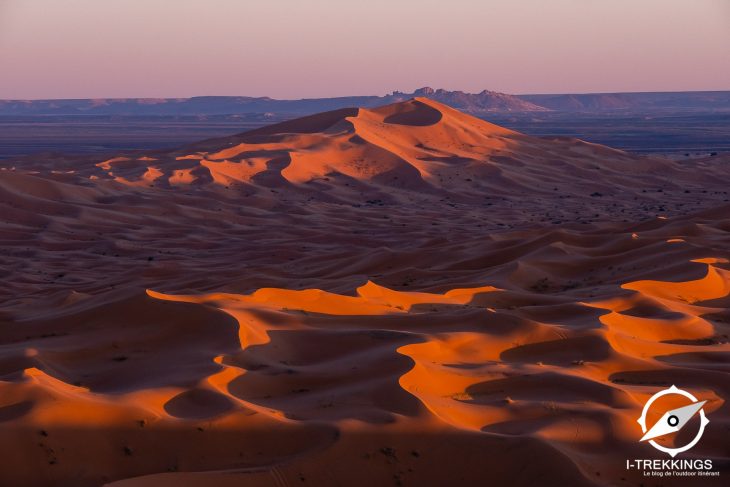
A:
(402, 295)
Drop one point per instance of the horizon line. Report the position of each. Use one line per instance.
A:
(364, 95)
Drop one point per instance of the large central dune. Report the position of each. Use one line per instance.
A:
(403, 295)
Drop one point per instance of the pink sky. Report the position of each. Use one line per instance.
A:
(314, 48)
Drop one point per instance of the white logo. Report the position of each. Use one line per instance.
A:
(673, 421)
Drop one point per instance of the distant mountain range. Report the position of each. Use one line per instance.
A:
(634, 102)
(474, 103)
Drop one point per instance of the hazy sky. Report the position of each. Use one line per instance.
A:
(310, 48)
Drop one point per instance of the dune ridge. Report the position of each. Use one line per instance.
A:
(405, 291)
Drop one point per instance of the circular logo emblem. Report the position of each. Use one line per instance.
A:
(672, 421)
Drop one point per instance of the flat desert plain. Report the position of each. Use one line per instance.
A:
(403, 295)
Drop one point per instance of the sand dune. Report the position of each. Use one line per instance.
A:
(403, 295)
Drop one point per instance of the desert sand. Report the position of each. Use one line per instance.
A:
(404, 295)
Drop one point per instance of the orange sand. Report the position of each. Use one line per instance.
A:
(398, 296)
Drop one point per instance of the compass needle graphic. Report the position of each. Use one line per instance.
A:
(673, 421)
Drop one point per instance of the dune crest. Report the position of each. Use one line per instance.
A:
(466, 358)
(418, 146)
(406, 291)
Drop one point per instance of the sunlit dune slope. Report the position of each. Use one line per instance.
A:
(403, 295)
(278, 383)
(417, 148)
